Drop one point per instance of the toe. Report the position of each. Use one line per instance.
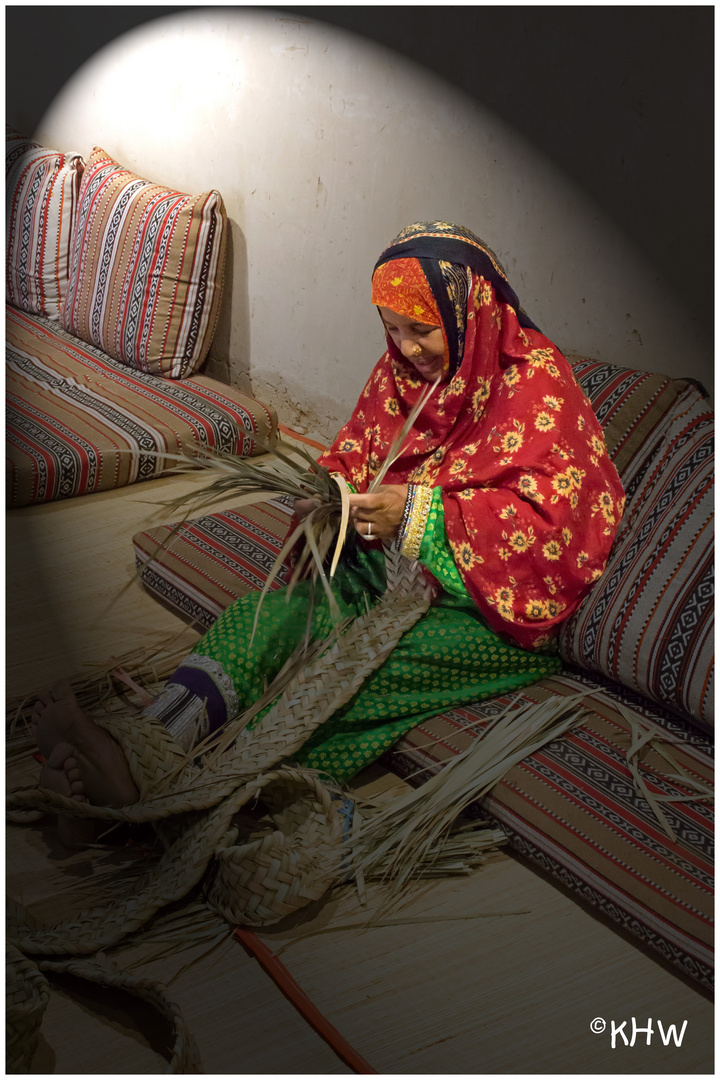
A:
(77, 787)
(62, 690)
(59, 755)
(72, 774)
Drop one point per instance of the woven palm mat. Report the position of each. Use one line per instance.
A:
(194, 806)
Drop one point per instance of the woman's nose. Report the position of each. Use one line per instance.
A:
(409, 348)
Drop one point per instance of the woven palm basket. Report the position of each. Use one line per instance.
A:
(289, 864)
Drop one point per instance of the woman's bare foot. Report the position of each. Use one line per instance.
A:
(73, 832)
(93, 765)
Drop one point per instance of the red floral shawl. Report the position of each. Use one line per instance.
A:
(531, 499)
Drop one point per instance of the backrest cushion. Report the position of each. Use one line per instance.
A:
(649, 622)
(147, 270)
(41, 194)
(629, 405)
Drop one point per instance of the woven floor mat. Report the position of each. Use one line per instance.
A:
(501, 944)
(86, 1029)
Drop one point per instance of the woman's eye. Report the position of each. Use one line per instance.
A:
(424, 331)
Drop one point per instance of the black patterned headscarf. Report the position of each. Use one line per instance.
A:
(448, 254)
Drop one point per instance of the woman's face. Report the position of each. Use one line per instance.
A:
(422, 344)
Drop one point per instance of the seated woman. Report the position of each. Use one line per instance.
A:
(504, 493)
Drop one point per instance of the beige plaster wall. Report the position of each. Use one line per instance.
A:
(323, 146)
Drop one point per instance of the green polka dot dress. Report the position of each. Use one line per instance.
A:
(449, 657)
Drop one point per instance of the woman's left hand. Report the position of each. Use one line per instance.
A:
(382, 511)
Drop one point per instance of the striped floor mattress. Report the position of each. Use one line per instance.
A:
(575, 809)
(80, 422)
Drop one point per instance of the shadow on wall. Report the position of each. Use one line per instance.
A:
(312, 136)
(228, 363)
(593, 87)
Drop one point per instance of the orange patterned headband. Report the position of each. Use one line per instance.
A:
(402, 286)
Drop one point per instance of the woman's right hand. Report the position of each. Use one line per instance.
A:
(303, 507)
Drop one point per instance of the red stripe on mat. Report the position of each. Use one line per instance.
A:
(301, 438)
(297, 996)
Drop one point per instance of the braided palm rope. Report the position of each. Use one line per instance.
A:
(26, 997)
(258, 881)
(309, 700)
(221, 792)
(28, 993)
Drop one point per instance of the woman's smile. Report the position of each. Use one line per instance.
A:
(423, 344)
(427, 366)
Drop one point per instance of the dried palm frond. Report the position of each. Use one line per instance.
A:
(641, 737)
(285, 470)
(288, 471)
(292, 471)
(453, 855)
(170, 933)
(396, 448)
(395, 842)
(377, 922)
(104, 686)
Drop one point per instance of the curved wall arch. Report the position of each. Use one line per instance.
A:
(323, 146)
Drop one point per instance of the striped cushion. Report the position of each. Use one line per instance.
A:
(649, 621)
(147, 270)
(41, 193)
(629, 405)
(572, 809)
(211, 561)
(80, 422)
